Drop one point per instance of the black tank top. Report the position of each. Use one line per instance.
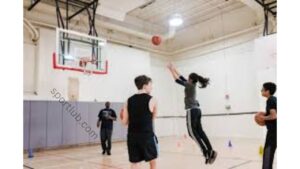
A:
(140, 117)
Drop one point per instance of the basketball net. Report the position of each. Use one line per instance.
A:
(87, 64)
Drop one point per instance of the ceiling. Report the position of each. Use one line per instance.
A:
(135, 21)
(192, 11)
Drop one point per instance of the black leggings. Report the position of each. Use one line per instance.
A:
(269, 150)
(193, 121)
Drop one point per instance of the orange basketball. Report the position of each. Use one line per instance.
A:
(259, 118)
(156, 40)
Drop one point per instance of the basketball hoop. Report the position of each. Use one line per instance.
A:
(87, 64)
(83, 53)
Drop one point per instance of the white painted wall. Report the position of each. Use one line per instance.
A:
(233, 70)
(29, 66)
(163, 86)
(163, 90)
(238, 71)
(265, 56)
(124, 65)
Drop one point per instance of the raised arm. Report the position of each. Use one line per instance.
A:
(173, 71)
(176, 75)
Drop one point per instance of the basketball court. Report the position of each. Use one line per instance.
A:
(179, 153)
(81, 54)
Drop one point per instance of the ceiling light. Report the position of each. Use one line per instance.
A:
(175, 20)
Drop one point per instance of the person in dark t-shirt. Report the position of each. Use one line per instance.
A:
(270, 119)
(106, 117)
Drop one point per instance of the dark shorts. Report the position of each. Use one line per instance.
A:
(142, 148)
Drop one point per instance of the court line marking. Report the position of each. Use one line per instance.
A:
(208, 115)
(27, 166)
(170, 152)
(228, 158)
(88, 161)
(241, 164)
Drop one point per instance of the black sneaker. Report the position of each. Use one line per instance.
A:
(108, 153)
(212, 157)
(206, 158)
(103, 152)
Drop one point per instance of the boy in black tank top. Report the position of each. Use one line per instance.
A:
(138, 113)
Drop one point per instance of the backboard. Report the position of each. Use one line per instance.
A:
(79, 52)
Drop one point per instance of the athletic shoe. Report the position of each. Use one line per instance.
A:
(103, 152)
(213, 156)
(207, 158)
(108, 153)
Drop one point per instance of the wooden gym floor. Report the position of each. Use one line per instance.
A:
(175, 153)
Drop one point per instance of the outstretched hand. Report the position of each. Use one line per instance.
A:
(173, 70)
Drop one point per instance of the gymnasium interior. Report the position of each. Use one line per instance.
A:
(84, 53)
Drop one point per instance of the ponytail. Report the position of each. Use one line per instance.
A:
(197, 78)
(204, 81)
